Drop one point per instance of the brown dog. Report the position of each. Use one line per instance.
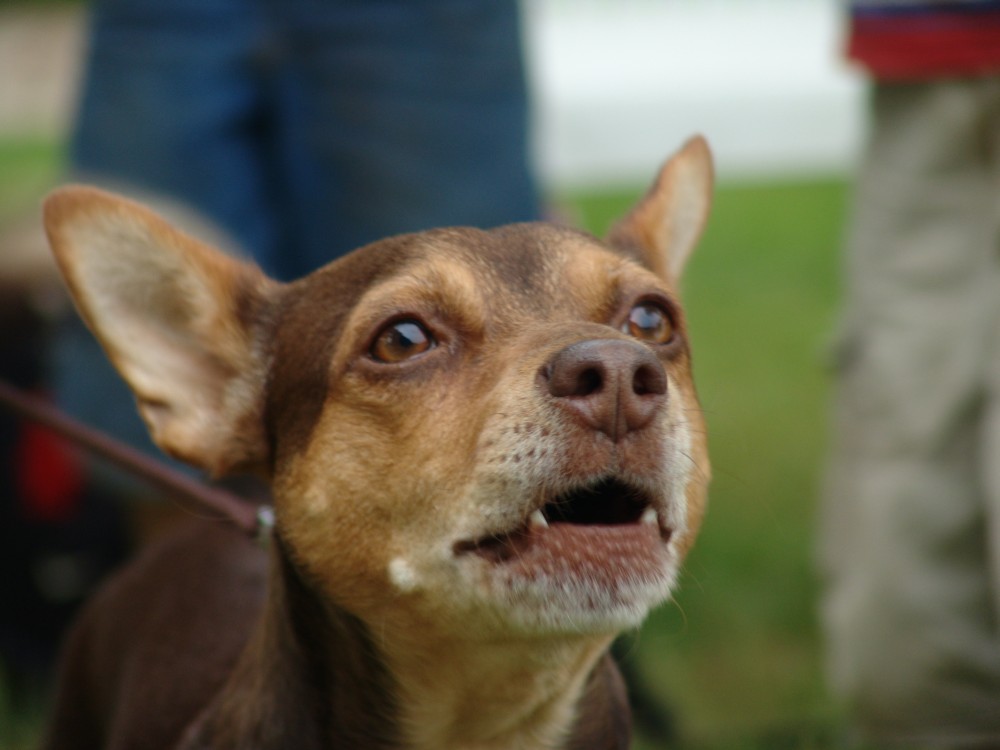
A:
(487, 459)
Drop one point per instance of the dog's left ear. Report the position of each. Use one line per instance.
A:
(184, 324)
(666, 224)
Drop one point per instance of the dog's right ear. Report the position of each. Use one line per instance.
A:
(666, 224)
(184, 324)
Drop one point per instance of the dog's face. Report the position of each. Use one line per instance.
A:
(505, 435)
(487, 433)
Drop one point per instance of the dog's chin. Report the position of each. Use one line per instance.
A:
(594, 560)
(583, 580)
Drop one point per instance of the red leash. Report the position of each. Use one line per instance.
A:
(254, 521)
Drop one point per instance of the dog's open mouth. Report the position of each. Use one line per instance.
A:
(604, 518)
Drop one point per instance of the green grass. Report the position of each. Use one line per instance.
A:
(28, 167)
(737, 657)
(20, 725)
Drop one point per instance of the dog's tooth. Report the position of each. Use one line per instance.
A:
(537, 520)
(650, 517)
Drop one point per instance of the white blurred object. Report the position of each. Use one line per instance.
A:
(617, 84)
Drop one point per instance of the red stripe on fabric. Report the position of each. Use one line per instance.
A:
(927, 47)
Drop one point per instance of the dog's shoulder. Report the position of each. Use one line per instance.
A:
(193, 597)
(604, 718)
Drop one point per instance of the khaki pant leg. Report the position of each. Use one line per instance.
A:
(910, 608)
(990, 443)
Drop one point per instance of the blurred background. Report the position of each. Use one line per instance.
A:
(617, 85)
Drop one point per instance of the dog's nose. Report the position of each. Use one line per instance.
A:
(615, 385)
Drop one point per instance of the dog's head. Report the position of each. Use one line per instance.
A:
(483, 432)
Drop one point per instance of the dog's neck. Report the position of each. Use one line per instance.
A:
(309, 678)
(517, 692)
(312, 677)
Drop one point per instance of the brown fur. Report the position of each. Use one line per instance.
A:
(460, 534)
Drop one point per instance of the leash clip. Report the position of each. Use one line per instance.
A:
(265, 526)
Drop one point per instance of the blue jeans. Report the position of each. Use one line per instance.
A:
(303, 128)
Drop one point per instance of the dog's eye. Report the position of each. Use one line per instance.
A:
(650, 323)
(400, 341)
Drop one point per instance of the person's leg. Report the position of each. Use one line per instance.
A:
(401, 116)
(171, 105)
(910, 612)
(990, 445)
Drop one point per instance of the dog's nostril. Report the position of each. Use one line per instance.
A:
(588, 381)
(649, 380)
(580, 378)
